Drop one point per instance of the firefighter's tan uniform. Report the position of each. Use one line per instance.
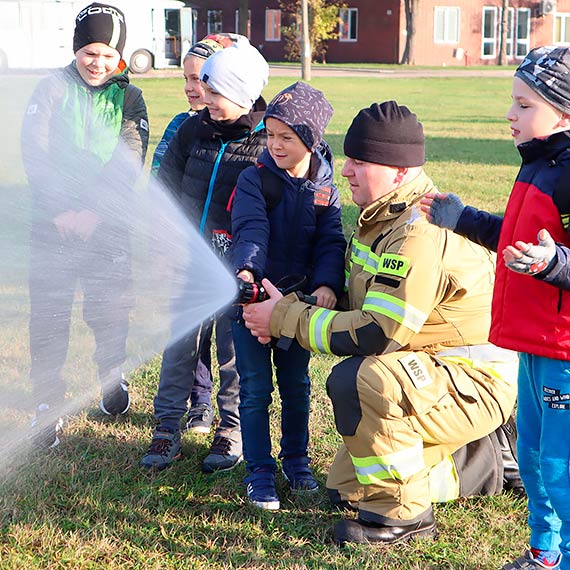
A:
(415, 291)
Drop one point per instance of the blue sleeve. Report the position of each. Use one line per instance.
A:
(329, 248)
(480, 227)
(250, 225)
(559, 275)
(167, 136)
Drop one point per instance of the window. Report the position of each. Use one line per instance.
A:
(214, 21)
(562, 28)
(248, 33)
(273, 25)
(523, 32)
(446, 25)
(489, 35)
(348, 27)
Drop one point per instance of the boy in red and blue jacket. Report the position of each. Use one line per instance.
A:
(532, 315)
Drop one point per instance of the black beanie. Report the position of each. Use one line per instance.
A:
(386, 133)
(100, 23)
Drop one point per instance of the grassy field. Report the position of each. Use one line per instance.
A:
(88, 505)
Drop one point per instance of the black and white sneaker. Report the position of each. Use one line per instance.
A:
(116, 400)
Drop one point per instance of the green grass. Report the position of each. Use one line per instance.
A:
(88, 505)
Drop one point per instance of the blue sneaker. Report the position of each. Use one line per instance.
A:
(261, 490)
(298, 474)
(165, 448)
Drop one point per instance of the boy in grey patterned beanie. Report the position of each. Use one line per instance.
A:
(546, 70)
(304, 109)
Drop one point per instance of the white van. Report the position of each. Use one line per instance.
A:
(37, 34)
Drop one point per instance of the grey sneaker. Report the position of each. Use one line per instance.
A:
(528, 562)
(46, 428)
(116, 400)
(165, 448)
(225, 453)
(200, 418)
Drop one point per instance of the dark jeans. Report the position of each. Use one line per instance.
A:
(254, 364)
(179, 368)
(202, 389)
(102, 267)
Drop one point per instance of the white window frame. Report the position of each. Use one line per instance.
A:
(564, 19)
(348, 25)
(215, 25)
(451, 18)
(272, 25)
(522, 45)
(491, 41)
(511, 32)
(248, 23)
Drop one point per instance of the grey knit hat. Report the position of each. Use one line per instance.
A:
(386, 133)
(546, 70)
(304, 109)
(239, 73)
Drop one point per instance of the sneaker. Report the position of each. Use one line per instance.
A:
(116, 400)
(225, 453)
(165, 448)
(45, 428)
(200, 418)
(261, 490)
(298, 474)
(527, 562)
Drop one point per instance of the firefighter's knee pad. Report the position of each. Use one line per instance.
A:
(341, 388)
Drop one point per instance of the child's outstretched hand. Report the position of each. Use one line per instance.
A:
(66, 223)
(86, 223)
(529, 258)
(443, 210)
(325, 297)
(258, 315)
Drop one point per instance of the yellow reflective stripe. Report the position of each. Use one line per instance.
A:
(395, 309)
(398, 465)
(444, 481)
(318, 328)
(362, 255)
(393, 264)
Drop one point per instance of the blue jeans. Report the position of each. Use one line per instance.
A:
(543, 423)
(254, 365)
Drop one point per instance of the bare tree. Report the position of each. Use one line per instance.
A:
(503, 29)
(411, 8)
(243, 17)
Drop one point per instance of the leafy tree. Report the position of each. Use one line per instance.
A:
(323, 26)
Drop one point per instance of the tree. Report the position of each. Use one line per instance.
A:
(411, 8)
(503, 28)
(323, 26)
(243, 17)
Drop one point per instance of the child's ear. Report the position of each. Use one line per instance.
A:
(564, 121)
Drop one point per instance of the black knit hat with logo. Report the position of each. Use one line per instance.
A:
(386, 133)
(304, 109)
(100, 23)
(546, 70)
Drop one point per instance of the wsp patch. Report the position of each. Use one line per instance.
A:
(392, 264)
(555, 399)
(416, 370)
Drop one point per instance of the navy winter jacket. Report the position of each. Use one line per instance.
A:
(301, 235)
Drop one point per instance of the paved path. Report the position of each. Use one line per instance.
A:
(332, 71)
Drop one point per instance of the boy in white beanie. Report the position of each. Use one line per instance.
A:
(201, 167)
